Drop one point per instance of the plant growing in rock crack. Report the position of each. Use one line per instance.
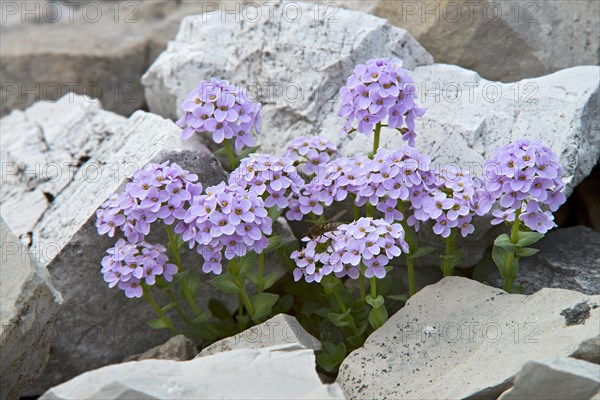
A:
(341, 283)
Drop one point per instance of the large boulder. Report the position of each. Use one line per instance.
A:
(97, 325)
(278, 372)
(555, 378)
(28, 308)
(292, 61)
(504, 41)
(461, 339)
(178, 348)
(100, 49)
(569, 258)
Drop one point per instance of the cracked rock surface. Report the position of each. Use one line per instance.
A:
(461, 339)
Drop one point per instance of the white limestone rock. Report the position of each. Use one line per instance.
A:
(282, 329)
(292, 60)
(97, 325)
(277, 372)
(555, 378)
(461, 339)
(503, 41)
(28, 308)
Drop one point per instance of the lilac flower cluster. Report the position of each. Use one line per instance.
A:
(273, 178)
(369, 242)
(378, 89)
(157, 192)
(449, 199)
(222, 109)
(392, 176)
(311, 152)
(129, 264)
(525, 175)
(226, 220)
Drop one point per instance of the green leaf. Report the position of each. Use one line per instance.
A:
(527, 252)
(339, 319)
(517, 289)
(226, 284)
(274, 212)
(504, 242)
(263, 304)
(219, 309)
(499, 255)
(339, 353)
(284, 305)
(375, 302)
(377, 317)
(326, 362)
(168, 306)
(503, 238)
(157, 324)
(189, 284)
(270, 279)
(528, 238)
(422, 251)
(399, 297)
(202, 318)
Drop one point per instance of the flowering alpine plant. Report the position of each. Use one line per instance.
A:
(377, 90)
(310, 152)
(225, 111)
(526, 178)
(342, 277)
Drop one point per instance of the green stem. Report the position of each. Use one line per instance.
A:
(410, 262)
(177, 306)
(247, 302)
(376, 139)
(356, 213)
(373, 287)
(361, 282)
(160, 312)
(340, 301)
(230, 155)
(410, 266)
(509, 277)
(369, 209)
(447, 267)
(260, 279)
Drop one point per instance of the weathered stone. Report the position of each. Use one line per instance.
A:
(100, 49)
(295, 68)
(282, 329)
(555, 378)
(178, 348)
(503, 41)
(279, 372)
(28, 308)
(461, 339)
(97, 325)
(569, 258)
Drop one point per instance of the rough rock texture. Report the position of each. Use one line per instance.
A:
(178, 348)
(278, 372)
(555, 378)
(295, 68)
(282, 329)
(504, 41)
(569, 258)
(97, 325)
(481, 338)
(28, 308)
(98, 49)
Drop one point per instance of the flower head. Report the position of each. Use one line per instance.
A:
(380, 89)
(310, 152)
(222, 109)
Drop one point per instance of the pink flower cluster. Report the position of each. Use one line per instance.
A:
(310, 152)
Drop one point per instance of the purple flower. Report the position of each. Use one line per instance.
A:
(378, 89)
(223, 110)
(129, 264)
(373, 242)
(525, 175)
